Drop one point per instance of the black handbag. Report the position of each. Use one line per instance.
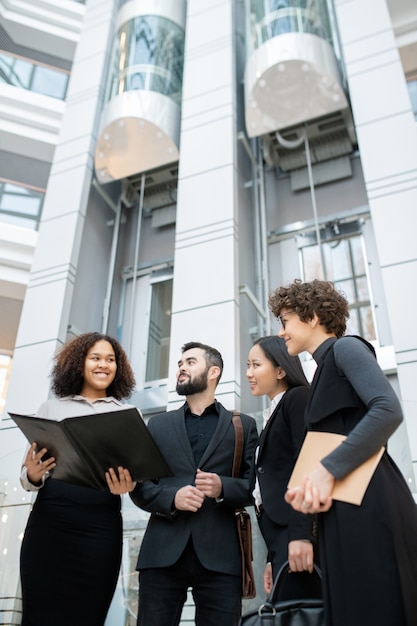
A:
(273, 612)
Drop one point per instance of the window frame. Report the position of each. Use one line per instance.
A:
(357, 305)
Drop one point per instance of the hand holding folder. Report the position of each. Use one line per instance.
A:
(316, 446)
(86, 447)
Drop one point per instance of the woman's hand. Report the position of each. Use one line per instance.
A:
(314, 493)
(35, 467)
(301, 556)
(121, 484)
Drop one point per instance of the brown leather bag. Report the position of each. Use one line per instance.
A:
(243, 520)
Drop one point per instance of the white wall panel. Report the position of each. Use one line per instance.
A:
(357, 19)
(69, 187)
(388, 146)
(208, 70)
(409, 375)
(207, 103)
(400, 281)
(203, 264)
(389, 93)
(207, 147)
(396, 220)
(60, 248)
(199, 197)
(201, 26)
(380, 48)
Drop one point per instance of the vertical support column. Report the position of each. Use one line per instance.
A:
(45, 312)
(46, 308)
(205, 298)
(387, 136)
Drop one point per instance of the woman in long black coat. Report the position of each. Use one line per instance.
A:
(368, 553)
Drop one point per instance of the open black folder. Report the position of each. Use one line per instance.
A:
(86, 447)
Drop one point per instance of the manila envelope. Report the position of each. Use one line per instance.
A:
(316, 446)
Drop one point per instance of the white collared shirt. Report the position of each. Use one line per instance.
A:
(256, 493)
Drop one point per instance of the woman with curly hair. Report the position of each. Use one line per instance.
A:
(368, 553)
(72, 547)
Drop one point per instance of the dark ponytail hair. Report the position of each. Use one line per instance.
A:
(275, 351)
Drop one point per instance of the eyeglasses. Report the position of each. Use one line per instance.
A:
(282, 322)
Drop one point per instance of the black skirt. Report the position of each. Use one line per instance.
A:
(70, 556)
(368, 555)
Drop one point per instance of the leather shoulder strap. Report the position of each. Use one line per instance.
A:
(237, 459)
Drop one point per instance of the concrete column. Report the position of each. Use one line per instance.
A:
(44, 319)
(387, 136)
(205, 300)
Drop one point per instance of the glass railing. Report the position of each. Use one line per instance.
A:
(271, 18)
(412, 92)
(5, 366)
(150, 78)
(27, 74)
(148, 54)
(20, 205)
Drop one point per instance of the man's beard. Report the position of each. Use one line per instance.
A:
(192, 386)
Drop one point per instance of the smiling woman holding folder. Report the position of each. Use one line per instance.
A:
(368, 552)
(71, 550)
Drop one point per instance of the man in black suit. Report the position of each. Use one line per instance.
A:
(191, 539)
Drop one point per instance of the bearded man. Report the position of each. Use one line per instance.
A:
(191, 539)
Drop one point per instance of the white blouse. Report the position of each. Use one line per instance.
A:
(256, 493)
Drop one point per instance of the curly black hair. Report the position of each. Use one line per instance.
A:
(318, 297)
(68, 370)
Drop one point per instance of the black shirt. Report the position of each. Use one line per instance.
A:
(200, 429)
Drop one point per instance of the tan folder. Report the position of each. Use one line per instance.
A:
(316, 446)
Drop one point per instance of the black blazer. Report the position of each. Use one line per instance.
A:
(279, 445)
(213, 527)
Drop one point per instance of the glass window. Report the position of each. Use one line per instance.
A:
(345, 265)
(149, 54)
(271, 18)
(412, 90)
(21, 73)
(5, 65)
(145, 324)
(49, 82)
(159, 331)
(20, 205)
(25, 74)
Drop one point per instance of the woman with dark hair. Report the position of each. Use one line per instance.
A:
(71, 550)
(287, 533)
(368, 553)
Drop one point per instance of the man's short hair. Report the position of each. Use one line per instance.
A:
(212, 356)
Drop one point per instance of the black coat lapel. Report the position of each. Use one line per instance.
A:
(178, 419)
(268, 426)
(225, 421)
